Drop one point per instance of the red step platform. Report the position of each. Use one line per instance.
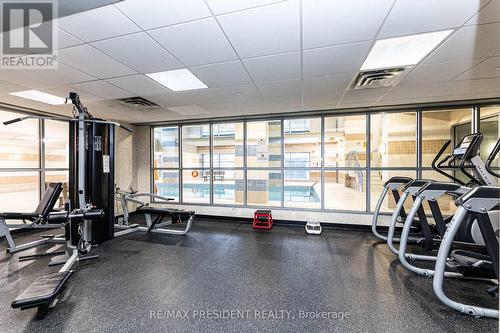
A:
(262, 219)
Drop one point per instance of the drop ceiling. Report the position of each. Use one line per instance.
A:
(261, 56)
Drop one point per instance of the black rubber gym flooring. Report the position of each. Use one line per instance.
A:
(344, 281)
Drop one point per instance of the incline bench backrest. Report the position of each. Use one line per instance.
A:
(49, 199)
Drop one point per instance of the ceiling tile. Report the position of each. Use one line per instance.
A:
(157, 13)
(92, 61)
(64, 90)
(400, 22)
(224, 6)
(325, 90)
(467, 87)
(100, 23)
(168, 99)
(334, 22)
(196, 43)
(188, 110)
(438, 72)
(410, 91)
(264, 30)
(8, 87)
(358, 104)
(140, 52)
(200, 96)
(138, 84)
(222, 74)
(363, 95)
(339, 59)
(282, 66)
(293, 101)
(280, 88)
(102, 89)
(65, 39)
(488, 68)
(238, 93)
(480, 41)
(45, 77)
(489, 14)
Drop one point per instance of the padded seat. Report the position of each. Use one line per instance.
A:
(43, 209)
(164, 211)
(19, 216)
(42, 291)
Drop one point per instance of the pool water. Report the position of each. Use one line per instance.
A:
(227, 191)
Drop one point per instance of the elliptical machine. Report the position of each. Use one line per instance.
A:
(465, 158)
(482, 205)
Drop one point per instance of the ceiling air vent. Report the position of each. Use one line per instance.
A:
(138, 102)
(379, 78)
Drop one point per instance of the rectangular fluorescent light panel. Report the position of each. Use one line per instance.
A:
(39, 96)
(178, 80)
(403, 51)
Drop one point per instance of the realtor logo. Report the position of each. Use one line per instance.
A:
(28, 34)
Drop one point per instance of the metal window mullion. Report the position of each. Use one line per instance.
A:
(41, 157)
(322, 172)
(368, 161)
(419, 143)
(211, 164)
(151, 159)
(180, 166)
(245, 166)
(282, 133)
(476, 119)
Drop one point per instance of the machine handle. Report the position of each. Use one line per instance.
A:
(12, 121)
(93, 214)
(440, 166)
(490, 159)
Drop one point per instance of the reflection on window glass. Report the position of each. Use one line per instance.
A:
(264, 144)
(302, 142)
(228, 145)
(166, 183)
(393, 139)
(56, 139)
(490, 127)
(345, 141)
(302, 188)
(441, 126)
(264, 187)
(19, 142)
(377, 180)
(19, 191)
(196, 146)
(166, 147)
(345, 190)
(59, 177)
(229, 187)
(196, 186)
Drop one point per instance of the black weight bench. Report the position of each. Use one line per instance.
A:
(176, 215)
(42, 292)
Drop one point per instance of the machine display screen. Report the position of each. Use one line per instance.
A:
(463, 145)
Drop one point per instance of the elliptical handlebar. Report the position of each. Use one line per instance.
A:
(438, 163)
(472, 150)
(490, 159)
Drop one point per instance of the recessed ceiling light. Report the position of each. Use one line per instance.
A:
(178, 80)
(403, 51)
(39, 96)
